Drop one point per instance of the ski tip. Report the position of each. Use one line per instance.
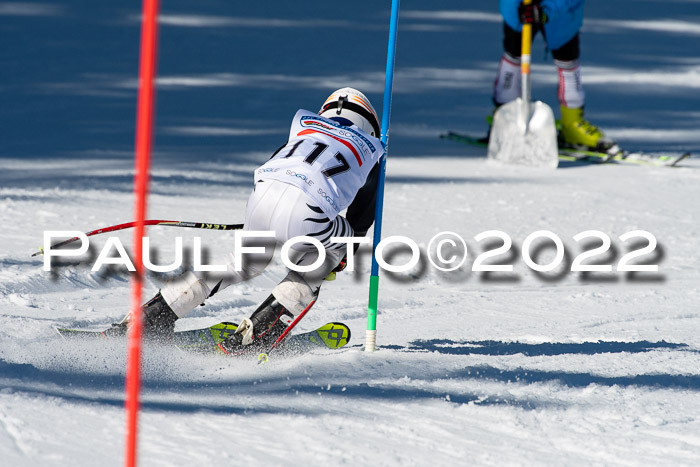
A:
(334, 335)
(673, 161)
(453, 135)
(349, 334)
(683, 157)
(63, 331)
(68, 333)
(466, 139)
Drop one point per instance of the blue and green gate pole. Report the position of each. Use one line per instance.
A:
(371, 336)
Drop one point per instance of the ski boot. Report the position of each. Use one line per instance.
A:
(577, 132)
(484, 141)
(260, 331)
(340, 267)
(158, 321)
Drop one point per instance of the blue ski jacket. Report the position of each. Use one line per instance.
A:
(565, 18)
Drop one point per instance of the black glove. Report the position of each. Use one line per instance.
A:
(532, 14)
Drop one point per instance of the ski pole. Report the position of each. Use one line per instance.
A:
(128, 225)
(525, 59)
(264, 357)
(371, 335)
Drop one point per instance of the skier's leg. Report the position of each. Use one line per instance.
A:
(292, 296)
(507, 86)
(570, 89)
(297, 290)
(182, 295)
(575, 129)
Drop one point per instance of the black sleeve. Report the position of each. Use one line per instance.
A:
(360, 213)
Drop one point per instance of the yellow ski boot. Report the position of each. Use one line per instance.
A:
(577, 132)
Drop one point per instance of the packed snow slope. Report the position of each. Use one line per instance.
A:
(474, 368)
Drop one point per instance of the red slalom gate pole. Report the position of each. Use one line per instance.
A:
(144, 137)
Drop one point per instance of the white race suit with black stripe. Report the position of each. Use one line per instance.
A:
(323, 169)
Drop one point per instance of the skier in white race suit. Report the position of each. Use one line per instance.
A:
(329, 164)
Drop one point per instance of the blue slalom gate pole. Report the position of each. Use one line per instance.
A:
(371, 335)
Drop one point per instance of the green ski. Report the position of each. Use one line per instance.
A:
(206, 340)
(582, 155)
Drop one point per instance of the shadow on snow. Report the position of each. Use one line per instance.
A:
(256, 392)
(491, 347)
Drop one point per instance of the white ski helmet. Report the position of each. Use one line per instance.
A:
(349, 106)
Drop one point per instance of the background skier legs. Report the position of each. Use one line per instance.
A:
(560, 22)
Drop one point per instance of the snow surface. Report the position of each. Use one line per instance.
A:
(526, 368)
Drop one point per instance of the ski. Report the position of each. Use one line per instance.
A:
(627, 157)
(563, 155)
(466, 139)
(329, 336)
(582, 155)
